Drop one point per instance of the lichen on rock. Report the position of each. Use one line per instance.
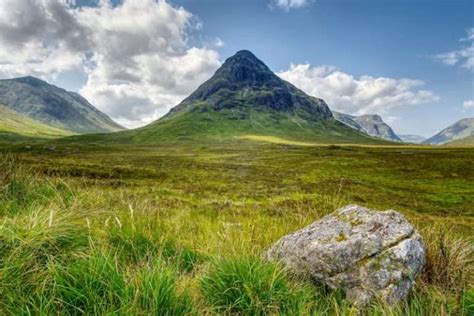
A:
(379, 257)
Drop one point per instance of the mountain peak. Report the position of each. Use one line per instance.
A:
(244, 53)
(372, 117)
(245, 67)
(244, 84)
(240, 72)
(32, 81)
(371, 124)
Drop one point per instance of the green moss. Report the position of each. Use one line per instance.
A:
(356, 222)
(341, 237)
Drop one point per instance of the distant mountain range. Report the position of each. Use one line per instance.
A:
(243, 98)
(371, 124)
(463, 129)
(415, 139)
(53, 106)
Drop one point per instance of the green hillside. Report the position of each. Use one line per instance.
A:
(54, 106)
(202, 123)
(14, 124)
(244, 97)
(466, 141)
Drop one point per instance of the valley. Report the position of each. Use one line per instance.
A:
(174, 217)
(187, 209)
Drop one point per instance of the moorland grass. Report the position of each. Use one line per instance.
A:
(176, 231)
(250, 286)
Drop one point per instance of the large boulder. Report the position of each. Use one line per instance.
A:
(368, 254)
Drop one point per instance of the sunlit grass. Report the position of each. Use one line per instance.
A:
(182, 231)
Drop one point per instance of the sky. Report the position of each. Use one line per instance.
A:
(411, 61)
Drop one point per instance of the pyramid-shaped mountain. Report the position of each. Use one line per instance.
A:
(244, 97)
(245, 83)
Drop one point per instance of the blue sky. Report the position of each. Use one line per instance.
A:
(379, 38)
(409, 60)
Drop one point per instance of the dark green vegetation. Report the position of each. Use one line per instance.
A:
(244, 97)
(180, 229)
(14, 125)
(53, 106)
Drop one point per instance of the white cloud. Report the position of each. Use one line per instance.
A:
(363, 95)
(136, 55)
(468, 105)
(464, 56)
(289, 4)
(219, 43)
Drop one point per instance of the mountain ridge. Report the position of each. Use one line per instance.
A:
(54, 106)
(411, 138)
(456, 131)
(372, 124)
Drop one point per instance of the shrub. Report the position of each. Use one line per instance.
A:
(252, 287)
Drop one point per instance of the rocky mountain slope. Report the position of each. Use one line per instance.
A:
(244, 97)
(54, 106)
(371, 124)
(459, 130)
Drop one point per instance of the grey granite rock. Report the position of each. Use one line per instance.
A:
(366, 253)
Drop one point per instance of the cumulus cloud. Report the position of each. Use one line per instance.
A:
(39, 37)
(468, 105)
(464, 56)
(289, 4)
(136, 54)
(364, 95)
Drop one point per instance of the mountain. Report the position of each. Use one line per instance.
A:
(13, 123)
(371, 124)
(54, 106)
(415, 139)
(244, 97)
(466, 141)
(461, 129)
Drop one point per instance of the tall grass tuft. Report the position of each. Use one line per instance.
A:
(153, 291)
(249, 286)
(450, 261)
(140, 239)
(92, 284)
(28, 246)
(21, 191)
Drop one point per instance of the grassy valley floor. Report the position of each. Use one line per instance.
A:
(181, 228)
